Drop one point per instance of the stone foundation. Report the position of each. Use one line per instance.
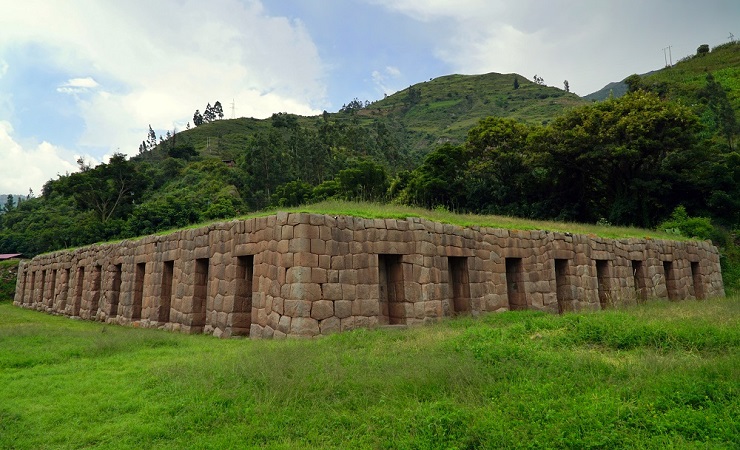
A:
(295, 274)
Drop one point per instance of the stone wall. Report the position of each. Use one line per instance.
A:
(294, 274)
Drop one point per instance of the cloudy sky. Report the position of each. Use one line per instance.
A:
(87, 77)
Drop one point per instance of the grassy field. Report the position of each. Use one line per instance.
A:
(660, 375)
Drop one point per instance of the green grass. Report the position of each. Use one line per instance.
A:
(379, 210)
(659, 375)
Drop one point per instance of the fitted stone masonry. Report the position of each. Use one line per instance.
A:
(298, 274)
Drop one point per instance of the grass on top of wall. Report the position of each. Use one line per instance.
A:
(370, 210)
(658, 375)
(391, 211)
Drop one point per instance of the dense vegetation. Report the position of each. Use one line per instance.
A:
(661, 375)
(663, 155)
(8, 278)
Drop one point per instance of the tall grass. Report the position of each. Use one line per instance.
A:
(658, 375)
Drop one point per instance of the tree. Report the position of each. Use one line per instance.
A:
(620, 159)
(499, 176)
(209, 115)
(9, 203)
(105, 189)
(352, 107)
(516, 83)
(413, 96)
(719, 104)
(293, 193)
(363, 180)
(439, 180)
(197, 118)
(263, 165)
(151, 139)
(538, 80)
(702, 50)
(566, 86)
(218, 110)
(634, 83)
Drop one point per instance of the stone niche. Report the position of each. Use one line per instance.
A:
(297, 274)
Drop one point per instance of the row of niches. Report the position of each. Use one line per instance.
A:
(252, 296)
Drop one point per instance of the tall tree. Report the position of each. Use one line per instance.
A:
(716, 99)
(151, 139)
(218, 110)
(9, 203)
(209, 115)
(197, 118)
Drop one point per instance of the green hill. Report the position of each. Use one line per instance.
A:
(419, 117)
(687, 77)
(445, 108)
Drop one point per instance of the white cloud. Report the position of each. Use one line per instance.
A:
(384, 80)
(589, 43)
(528, 37)
(393, 71)
(156, 62)
(29, 167)
(77, 85)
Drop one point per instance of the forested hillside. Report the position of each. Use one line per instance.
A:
(665, 154)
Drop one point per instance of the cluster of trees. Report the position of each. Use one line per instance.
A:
(628, 161)
(354, 106)
(173, 185)
(290, 162)
(211, 113)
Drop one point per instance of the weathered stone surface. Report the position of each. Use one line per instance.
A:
(295, 274)
(322, 309)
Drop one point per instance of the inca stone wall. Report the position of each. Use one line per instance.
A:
(294, 274)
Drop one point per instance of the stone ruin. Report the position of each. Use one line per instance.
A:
(298, 274)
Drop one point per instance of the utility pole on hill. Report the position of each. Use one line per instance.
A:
(667, 56)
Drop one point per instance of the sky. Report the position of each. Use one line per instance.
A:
(86, 78)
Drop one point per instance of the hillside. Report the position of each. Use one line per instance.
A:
(445, 108)
(687, 77)
(418, 118)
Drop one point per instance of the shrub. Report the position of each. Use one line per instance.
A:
(694, 227)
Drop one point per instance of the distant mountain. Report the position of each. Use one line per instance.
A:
(615, 89)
